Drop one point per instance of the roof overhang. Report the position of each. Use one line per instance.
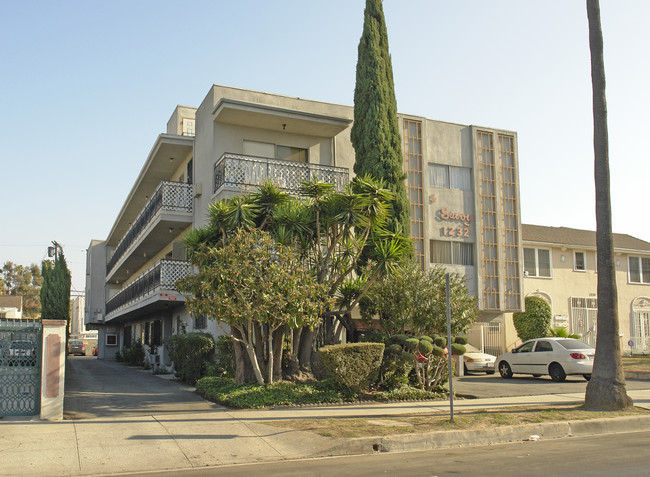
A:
(166, 154)
(262, 116)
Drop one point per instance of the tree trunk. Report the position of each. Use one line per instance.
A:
(606, 388)
(240, 358)
(304, 350)
(278, 344)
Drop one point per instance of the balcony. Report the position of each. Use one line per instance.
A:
(236, 172)
(168, 211)
(154, 290)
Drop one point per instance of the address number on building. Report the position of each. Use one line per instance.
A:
(455, 231)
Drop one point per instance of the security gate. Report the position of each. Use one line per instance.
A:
(20, 367)
(584, 317)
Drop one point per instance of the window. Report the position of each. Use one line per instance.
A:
(639, 269)
(200, 322)
(452, 253)
(413, 160)
(147, 334)
(543, 346)
(111, 340)
(579, 263)
(285, 153)
(450, 177)
(156, 333)
(537, 262)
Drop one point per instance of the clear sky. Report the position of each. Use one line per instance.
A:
(86, 87)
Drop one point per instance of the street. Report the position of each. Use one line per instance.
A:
(603, 455)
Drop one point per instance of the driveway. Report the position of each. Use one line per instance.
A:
(104, 388)
(486, 386)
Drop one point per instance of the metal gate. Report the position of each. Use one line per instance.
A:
(584, 317)
(487, 337)
(20, 367)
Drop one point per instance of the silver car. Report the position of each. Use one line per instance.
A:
(557, 357)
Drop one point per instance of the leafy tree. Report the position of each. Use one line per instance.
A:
(24, 281)
(606, 389)
(535, 321)
(55, 291)
(329, 229)
(375, 133)
(415, 300)
(259, 288)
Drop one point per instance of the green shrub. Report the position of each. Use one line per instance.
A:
(190, 353)
(223, 360)
(460, 340)
(393, 349)
(374, 336)
(440, 341)
(458, 349)
(134, 355)
(411, 344)
(425, 347)
(118, 356)
(437, 351)
(354, 365)
(398, 339)
(425, 338)
(535, 321)
(395, 369)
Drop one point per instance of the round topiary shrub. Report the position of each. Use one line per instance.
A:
(460, 340)
(425, 347)
(457, 349)
(411, 344)
(394, 349)
(440, 341)
(354, 365)
(437, 351)
(535, 321)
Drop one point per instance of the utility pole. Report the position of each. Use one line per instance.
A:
(55, 250)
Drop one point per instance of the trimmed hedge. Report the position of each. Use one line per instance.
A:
(535, 321)
(354, 365)
(190, 353)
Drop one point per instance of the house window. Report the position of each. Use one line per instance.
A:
(450, 177)
(537, 262)
(156, 333)
(451, 253)
(111, 340)
(579, 263)
(200, 322)
(639, 269)
(285, 153)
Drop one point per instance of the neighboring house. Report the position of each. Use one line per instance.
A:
(560, 267)
(462, 182)
(11, 307)
(77, 325)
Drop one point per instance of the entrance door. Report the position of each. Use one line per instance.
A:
(584, 313)
(20, 367)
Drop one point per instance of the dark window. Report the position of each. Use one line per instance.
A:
(190, 172)
(544, 346)
(156, 333)
(147, 333)
(200, 322)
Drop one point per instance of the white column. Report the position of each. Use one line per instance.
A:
(53, 369)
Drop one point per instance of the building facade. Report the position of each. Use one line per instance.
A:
(560, 267)
(462, 183)
(11, 307)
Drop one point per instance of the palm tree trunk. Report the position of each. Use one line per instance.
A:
(606, 389)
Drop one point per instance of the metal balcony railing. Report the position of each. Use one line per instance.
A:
(163, 275)
(240, 171)
(169, 196)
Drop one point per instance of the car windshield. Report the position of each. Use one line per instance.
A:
(573, 344)
(76, 343)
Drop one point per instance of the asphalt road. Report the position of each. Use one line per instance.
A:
(487, 386)
(594, 456)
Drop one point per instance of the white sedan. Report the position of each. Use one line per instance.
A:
(557, 357)
(476, 361)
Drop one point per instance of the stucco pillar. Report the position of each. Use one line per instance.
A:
(53, 369)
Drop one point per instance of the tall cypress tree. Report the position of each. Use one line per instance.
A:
(55, 291)
(375, 132)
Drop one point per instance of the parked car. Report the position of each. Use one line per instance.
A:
(76, 347)
(22, 352)
(477, 361)
(557, 357)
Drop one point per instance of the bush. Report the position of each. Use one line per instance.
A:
(460, 340)
(223, 362)
(535, 321)
(374, 336)
(457, 349)
(134, 355)
(354, 365)
(395, 368)
(190, 353)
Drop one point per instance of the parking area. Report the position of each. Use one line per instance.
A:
(487, 386)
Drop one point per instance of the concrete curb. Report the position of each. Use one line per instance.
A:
(498, 435)
(642, 375)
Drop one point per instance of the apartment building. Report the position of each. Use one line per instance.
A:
(462, 182)
(559, 266)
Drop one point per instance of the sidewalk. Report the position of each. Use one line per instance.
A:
(218, 437)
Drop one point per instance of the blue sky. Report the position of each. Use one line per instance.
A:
(85, 88)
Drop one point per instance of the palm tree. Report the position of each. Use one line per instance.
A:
(606, 389)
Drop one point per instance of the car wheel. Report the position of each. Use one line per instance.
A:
(504, 370)
(557, 372)
(587, 376)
